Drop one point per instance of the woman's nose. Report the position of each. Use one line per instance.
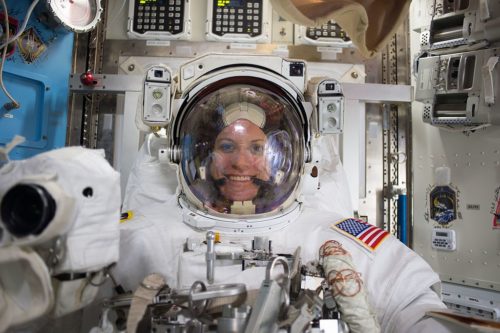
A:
(242, 160)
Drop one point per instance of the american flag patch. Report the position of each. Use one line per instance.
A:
(368, 235)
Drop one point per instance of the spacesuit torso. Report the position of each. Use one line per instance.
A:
(398, 281)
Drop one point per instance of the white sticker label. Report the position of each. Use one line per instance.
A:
(243, 46)
(329, 49)
(425, 79)
(157, 43)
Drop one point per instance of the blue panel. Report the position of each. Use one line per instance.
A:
(36, 74)
(402, 221)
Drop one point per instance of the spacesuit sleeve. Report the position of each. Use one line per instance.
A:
(149, 180)
(408, 291)
(412, 318)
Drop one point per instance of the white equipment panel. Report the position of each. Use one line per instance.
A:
(156, 96)
(468, 201)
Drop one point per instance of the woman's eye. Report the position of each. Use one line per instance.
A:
(226, 147)
(257, 149)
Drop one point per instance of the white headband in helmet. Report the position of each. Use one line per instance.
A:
(244, 110)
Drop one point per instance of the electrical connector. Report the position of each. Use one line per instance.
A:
(11, 106)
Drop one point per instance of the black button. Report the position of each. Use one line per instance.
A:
(297, 69)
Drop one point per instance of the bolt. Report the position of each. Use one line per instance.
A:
(131, 67)
(354, 75)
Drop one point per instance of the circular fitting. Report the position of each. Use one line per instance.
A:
(174, 154)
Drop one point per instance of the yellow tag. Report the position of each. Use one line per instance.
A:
(125, 216)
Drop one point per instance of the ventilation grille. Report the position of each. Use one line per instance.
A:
(440, 121)
(424, 38)
(452, 43)
(427, 113)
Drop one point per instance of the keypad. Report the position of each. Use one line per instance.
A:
(237, 17)
(159, 15)
(328, 30)
(441, 243)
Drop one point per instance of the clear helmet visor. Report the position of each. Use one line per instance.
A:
(242, 151)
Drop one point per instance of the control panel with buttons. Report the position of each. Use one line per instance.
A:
(159, 19)
(444, 239)
(328, 34)
(238, 20)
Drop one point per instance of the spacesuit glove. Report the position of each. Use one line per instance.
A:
(347, 288)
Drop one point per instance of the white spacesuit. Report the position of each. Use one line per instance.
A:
(243, 173)
(52, 260)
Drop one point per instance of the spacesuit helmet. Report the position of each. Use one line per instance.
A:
(242, 151)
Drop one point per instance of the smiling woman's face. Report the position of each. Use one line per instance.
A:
(241, 150)
(239, 157)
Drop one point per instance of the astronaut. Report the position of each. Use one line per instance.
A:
(242, 173)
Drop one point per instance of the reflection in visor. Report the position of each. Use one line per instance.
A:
(242, 150)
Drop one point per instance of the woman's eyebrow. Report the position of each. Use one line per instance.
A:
(224, 139)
